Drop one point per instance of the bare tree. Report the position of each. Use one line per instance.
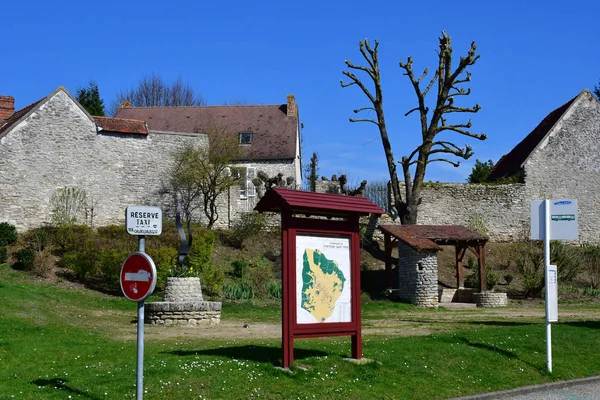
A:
(199, 176)
(152, 91)
(446, 81)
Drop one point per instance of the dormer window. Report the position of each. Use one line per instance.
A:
(246, 138)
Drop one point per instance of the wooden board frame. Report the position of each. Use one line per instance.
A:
(292, 227)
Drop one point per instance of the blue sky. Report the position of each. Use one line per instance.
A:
(535, 56)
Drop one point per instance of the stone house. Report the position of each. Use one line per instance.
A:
(269, 137)
(559, 158)
(54, 143)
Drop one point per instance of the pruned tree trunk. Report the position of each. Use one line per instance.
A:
(447, 80)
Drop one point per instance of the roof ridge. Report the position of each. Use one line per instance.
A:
(212, 106)
(510, 162)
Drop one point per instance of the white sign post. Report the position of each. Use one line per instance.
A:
(140, 221)
(552, 220)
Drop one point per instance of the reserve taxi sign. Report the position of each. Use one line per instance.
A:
(143, 220)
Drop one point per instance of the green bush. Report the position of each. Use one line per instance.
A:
(240, 268)
(529, 262)
(25, 259)
(110, 261)
(3, 254)
(212, 278)
(203, 245)
(165, 258)
(8, 233)
(246, 226)
(80, 251)
(472, 280)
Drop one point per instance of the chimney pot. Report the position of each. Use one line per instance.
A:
(7, 107)
(292, 107)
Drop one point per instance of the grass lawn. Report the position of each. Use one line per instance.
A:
(58, 343)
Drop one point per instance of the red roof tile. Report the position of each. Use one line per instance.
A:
(429, 237)
(300, 202)
(273, 132)
(510, 163)
(121, 125)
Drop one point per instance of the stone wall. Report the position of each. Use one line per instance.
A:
(501, 209)
(417, 276)
(58, 146)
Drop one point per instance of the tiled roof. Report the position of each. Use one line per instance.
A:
(511, 162)
(16, 116)
(300, 202)
(273, 132)
(121, 125)
(429, 237)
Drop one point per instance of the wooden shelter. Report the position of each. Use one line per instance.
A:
(431, 237)
(339, 229)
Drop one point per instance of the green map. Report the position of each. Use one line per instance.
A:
(322, 284)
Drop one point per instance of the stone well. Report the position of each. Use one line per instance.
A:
(183, 305)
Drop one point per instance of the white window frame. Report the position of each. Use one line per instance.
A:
(247, 188)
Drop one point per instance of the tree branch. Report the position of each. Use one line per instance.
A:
(364, 120)
(363, 109)
(455, 164)
(356, 81)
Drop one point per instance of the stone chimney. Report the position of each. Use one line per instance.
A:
(7, 107)
(292, 107)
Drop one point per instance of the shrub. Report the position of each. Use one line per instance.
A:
(508, 278)
(25, 259)
(8, 233)
(165, 258)
(246, 226)
(110, 261)
(472, 280)
(3, 254)
(260, 273)
(212, 278)
(67, 204)
(529, 262)
(203, 245)
(240, 268)
(68, 237)
(43, 262)
(591, 255)
(80, 251)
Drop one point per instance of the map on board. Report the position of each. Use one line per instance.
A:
(322, 279)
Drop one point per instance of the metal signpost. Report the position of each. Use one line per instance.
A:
(138, 274)
(552, 220)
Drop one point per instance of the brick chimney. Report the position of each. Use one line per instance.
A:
(7, 107)
(292, 107)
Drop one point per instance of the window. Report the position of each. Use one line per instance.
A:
(247, 188)
(245, 137)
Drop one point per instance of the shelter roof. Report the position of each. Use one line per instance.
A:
(312, 203)
(430, 237)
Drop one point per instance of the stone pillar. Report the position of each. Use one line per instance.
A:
(418, 276)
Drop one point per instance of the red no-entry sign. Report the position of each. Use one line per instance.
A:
(138, 276)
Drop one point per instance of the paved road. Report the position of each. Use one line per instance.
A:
(579, 389)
